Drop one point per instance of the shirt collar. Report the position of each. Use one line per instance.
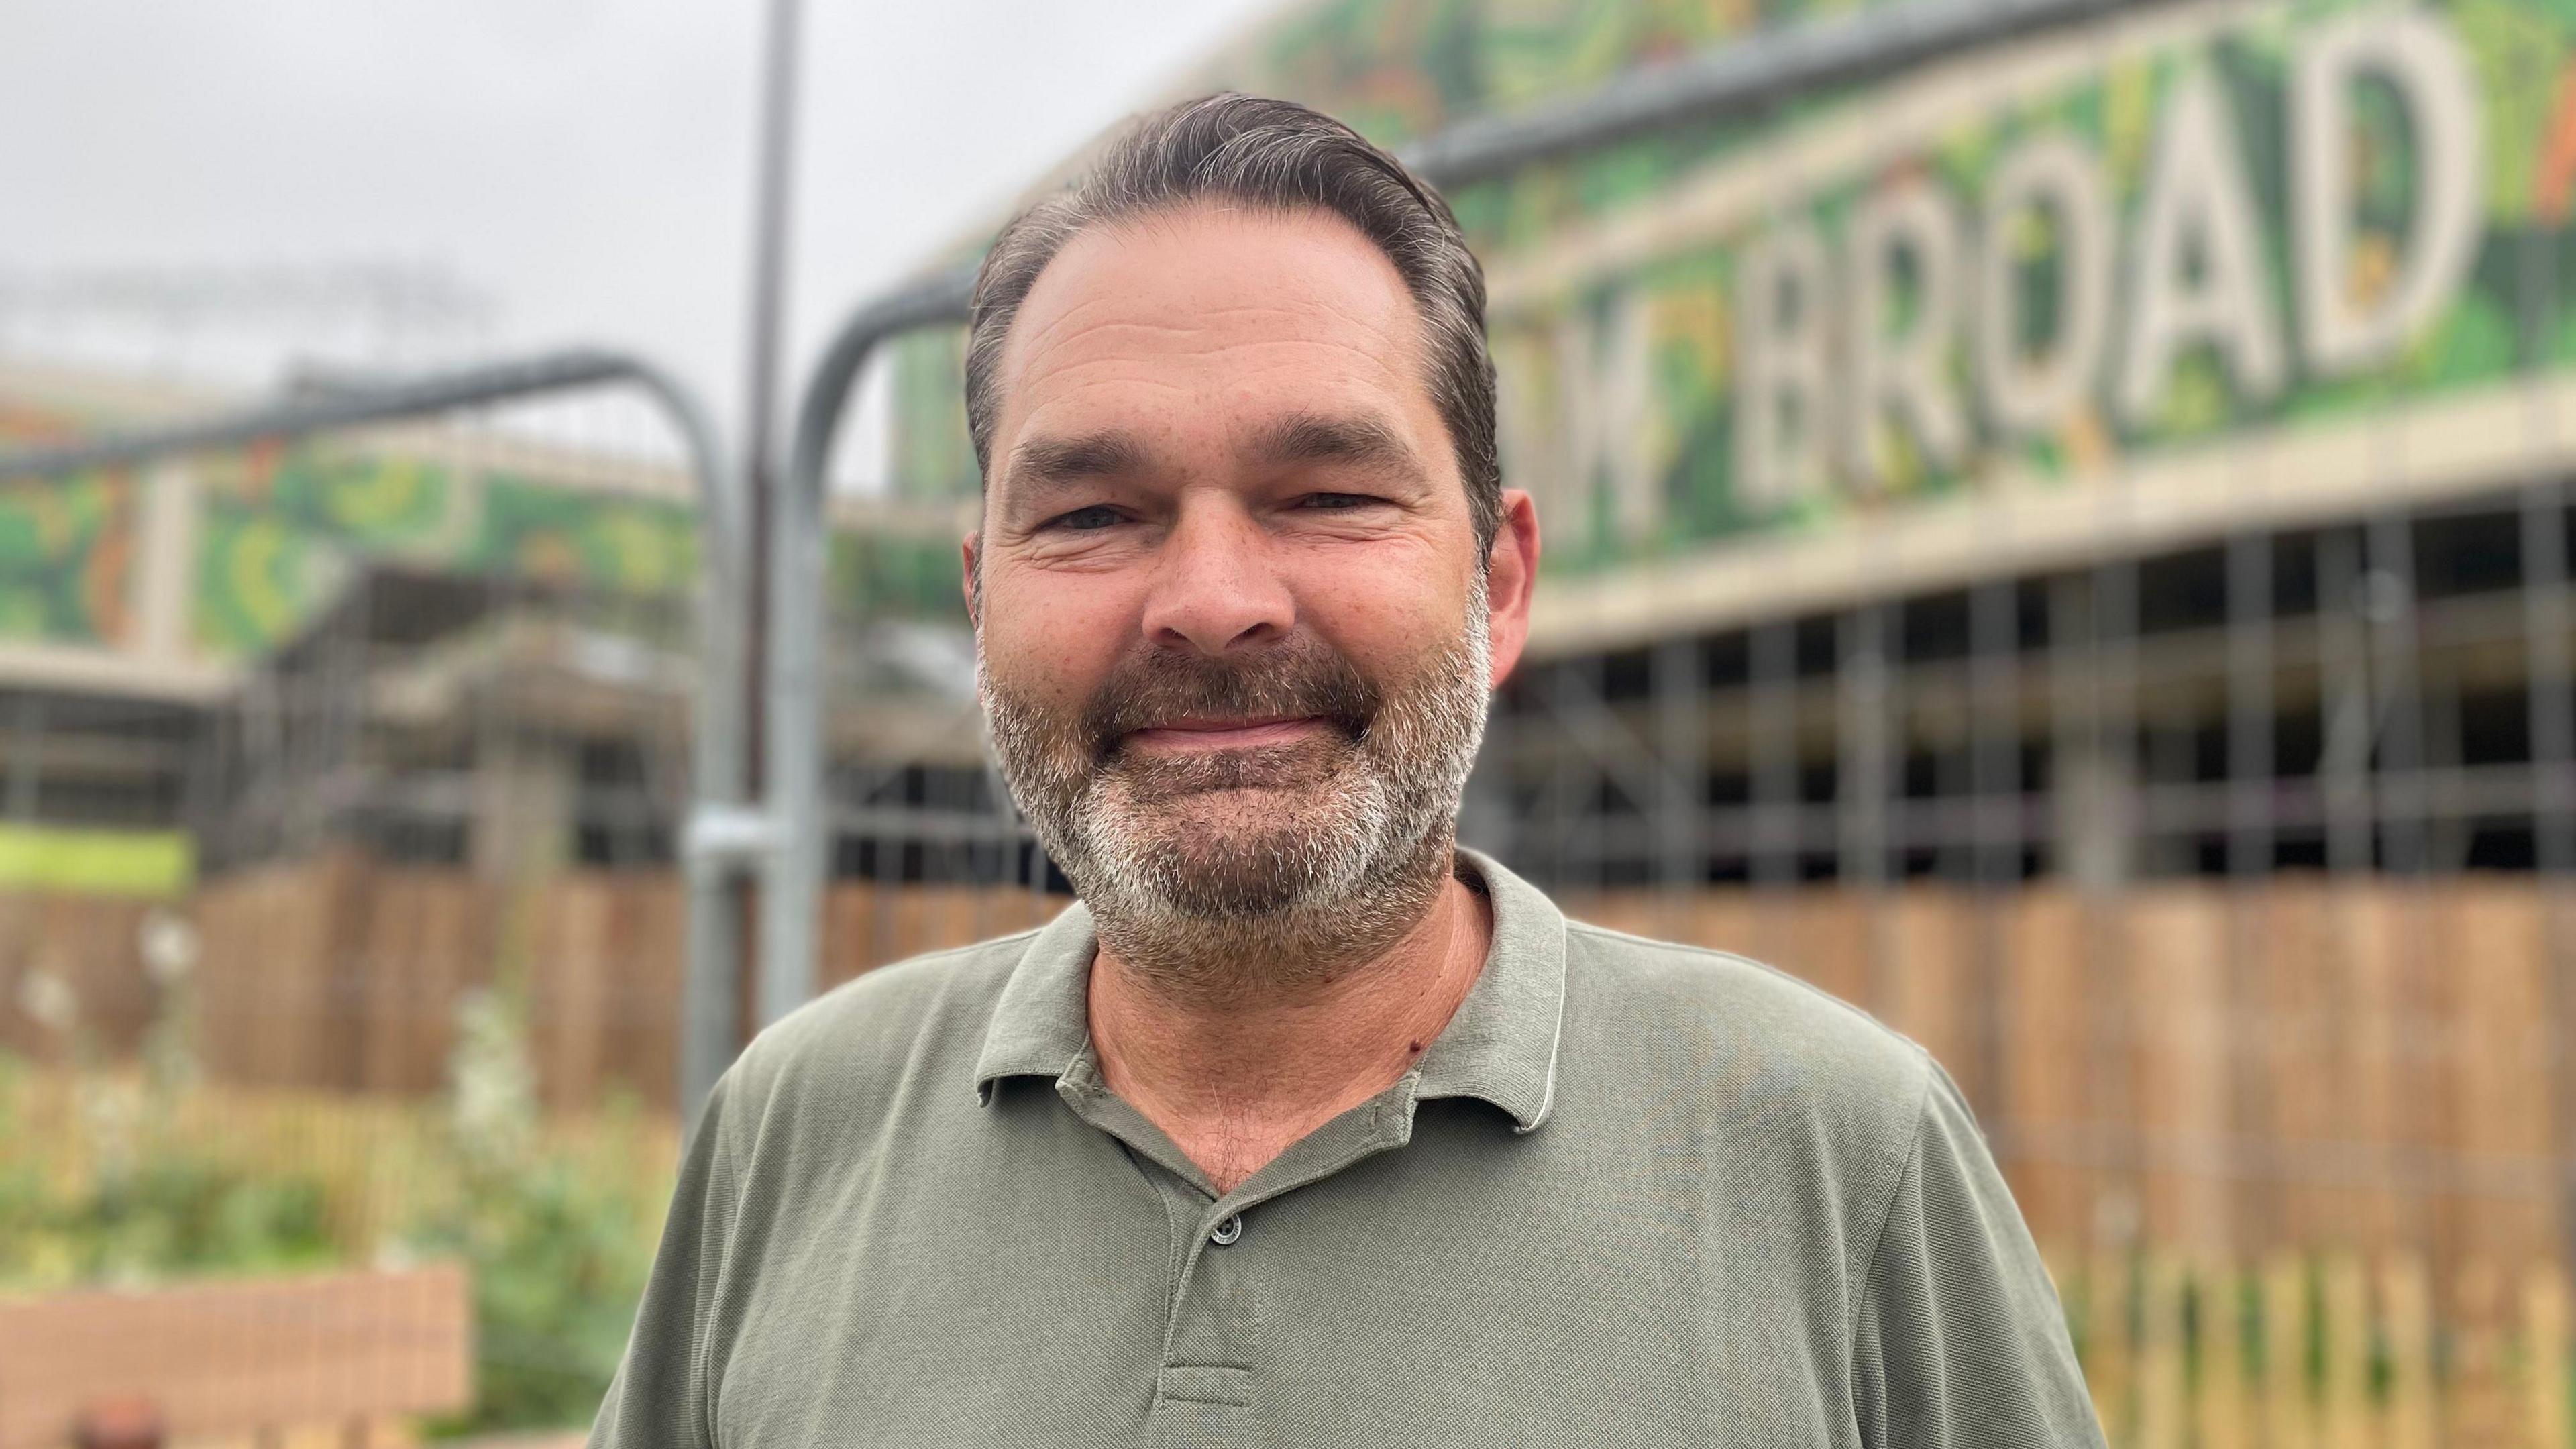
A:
(1501, 1043)
(1042, 1022)
(1500, 1046)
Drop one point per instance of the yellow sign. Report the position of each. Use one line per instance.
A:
(97, 862)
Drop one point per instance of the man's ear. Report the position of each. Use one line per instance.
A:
(1511, 572)
(974, 595)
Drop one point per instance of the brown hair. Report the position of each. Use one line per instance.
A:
(1282, 155)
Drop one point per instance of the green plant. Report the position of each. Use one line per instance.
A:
(559, 1242)
(129, 1195)
(138, 1173)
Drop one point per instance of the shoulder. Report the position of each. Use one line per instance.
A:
(858, 1041)
(1733, 1026)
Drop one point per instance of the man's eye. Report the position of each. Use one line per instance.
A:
(1338, 502)
(1086, 520)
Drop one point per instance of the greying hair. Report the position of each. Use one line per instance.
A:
(1280, 155)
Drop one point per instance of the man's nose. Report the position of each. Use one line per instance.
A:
(1216, 586)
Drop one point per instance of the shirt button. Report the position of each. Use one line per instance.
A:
(1228, 1231)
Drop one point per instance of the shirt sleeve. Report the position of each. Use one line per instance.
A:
(1959, 1341)
(657, 1400)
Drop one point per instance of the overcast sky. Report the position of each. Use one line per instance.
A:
(587, 164)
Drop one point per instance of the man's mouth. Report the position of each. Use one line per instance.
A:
(1191, 735)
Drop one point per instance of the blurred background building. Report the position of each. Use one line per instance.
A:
(2064, 543)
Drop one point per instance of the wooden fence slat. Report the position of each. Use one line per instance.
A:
(2224, 1401)
(2406, 1311)
(2177, 959)
(1929, 992)
(2494, 966)
(2480, 1407)
(2111, 1355)
(2046, 1097)
(2549, 1361)
(2161, 1384)
(2344, 1388)
(2289, 1414)
(231, 1357)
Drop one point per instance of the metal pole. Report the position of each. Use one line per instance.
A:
(2397, 699)
(1772, 687)
(770, 224)
(2252, 772)
(1680, 812)
(720, 830)
(2344, 704)
(791, 897)
(1996, 827)
(1861, 781)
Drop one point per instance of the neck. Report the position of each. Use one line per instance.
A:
(1237, 1077)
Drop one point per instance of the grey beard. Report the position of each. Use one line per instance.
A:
(1205, 908)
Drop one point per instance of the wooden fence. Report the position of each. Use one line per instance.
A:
(2294, 1350)
(2370, 1068)
(2366, 1067)
(2336, 1352)
(239, 1358)
(344, 974)
(2296, 1149)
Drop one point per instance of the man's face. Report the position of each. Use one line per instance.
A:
(1236, 636)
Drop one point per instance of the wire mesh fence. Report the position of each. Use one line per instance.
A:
(342, 959)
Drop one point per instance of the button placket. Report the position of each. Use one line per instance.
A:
(1211, 1340)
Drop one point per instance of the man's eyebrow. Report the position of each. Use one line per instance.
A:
(1321, 438)
(1054, 462)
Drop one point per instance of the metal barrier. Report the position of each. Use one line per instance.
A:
(721, 835)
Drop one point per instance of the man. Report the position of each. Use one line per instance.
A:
(1305, 1127)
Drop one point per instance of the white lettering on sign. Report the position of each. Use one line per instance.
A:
(2054, 175)
(1827, 380)
(1781, 367)
(2421, 62)
(1902, 373)
(1602, 360)
(2199, 275)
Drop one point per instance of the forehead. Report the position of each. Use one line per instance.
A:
(1211, 314)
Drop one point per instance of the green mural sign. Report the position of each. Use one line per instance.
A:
(2042, 264)
(2289, 220)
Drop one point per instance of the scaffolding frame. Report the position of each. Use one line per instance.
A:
(720, 837)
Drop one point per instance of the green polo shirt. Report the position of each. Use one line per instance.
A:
(1635, 1194)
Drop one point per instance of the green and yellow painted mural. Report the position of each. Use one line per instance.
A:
(2249, 219)
(1399, 69)
(280, 530)
(277, 530)
(2173, 230)
(66, 559)
(67, 546)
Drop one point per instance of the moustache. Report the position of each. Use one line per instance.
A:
(1299, 678)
